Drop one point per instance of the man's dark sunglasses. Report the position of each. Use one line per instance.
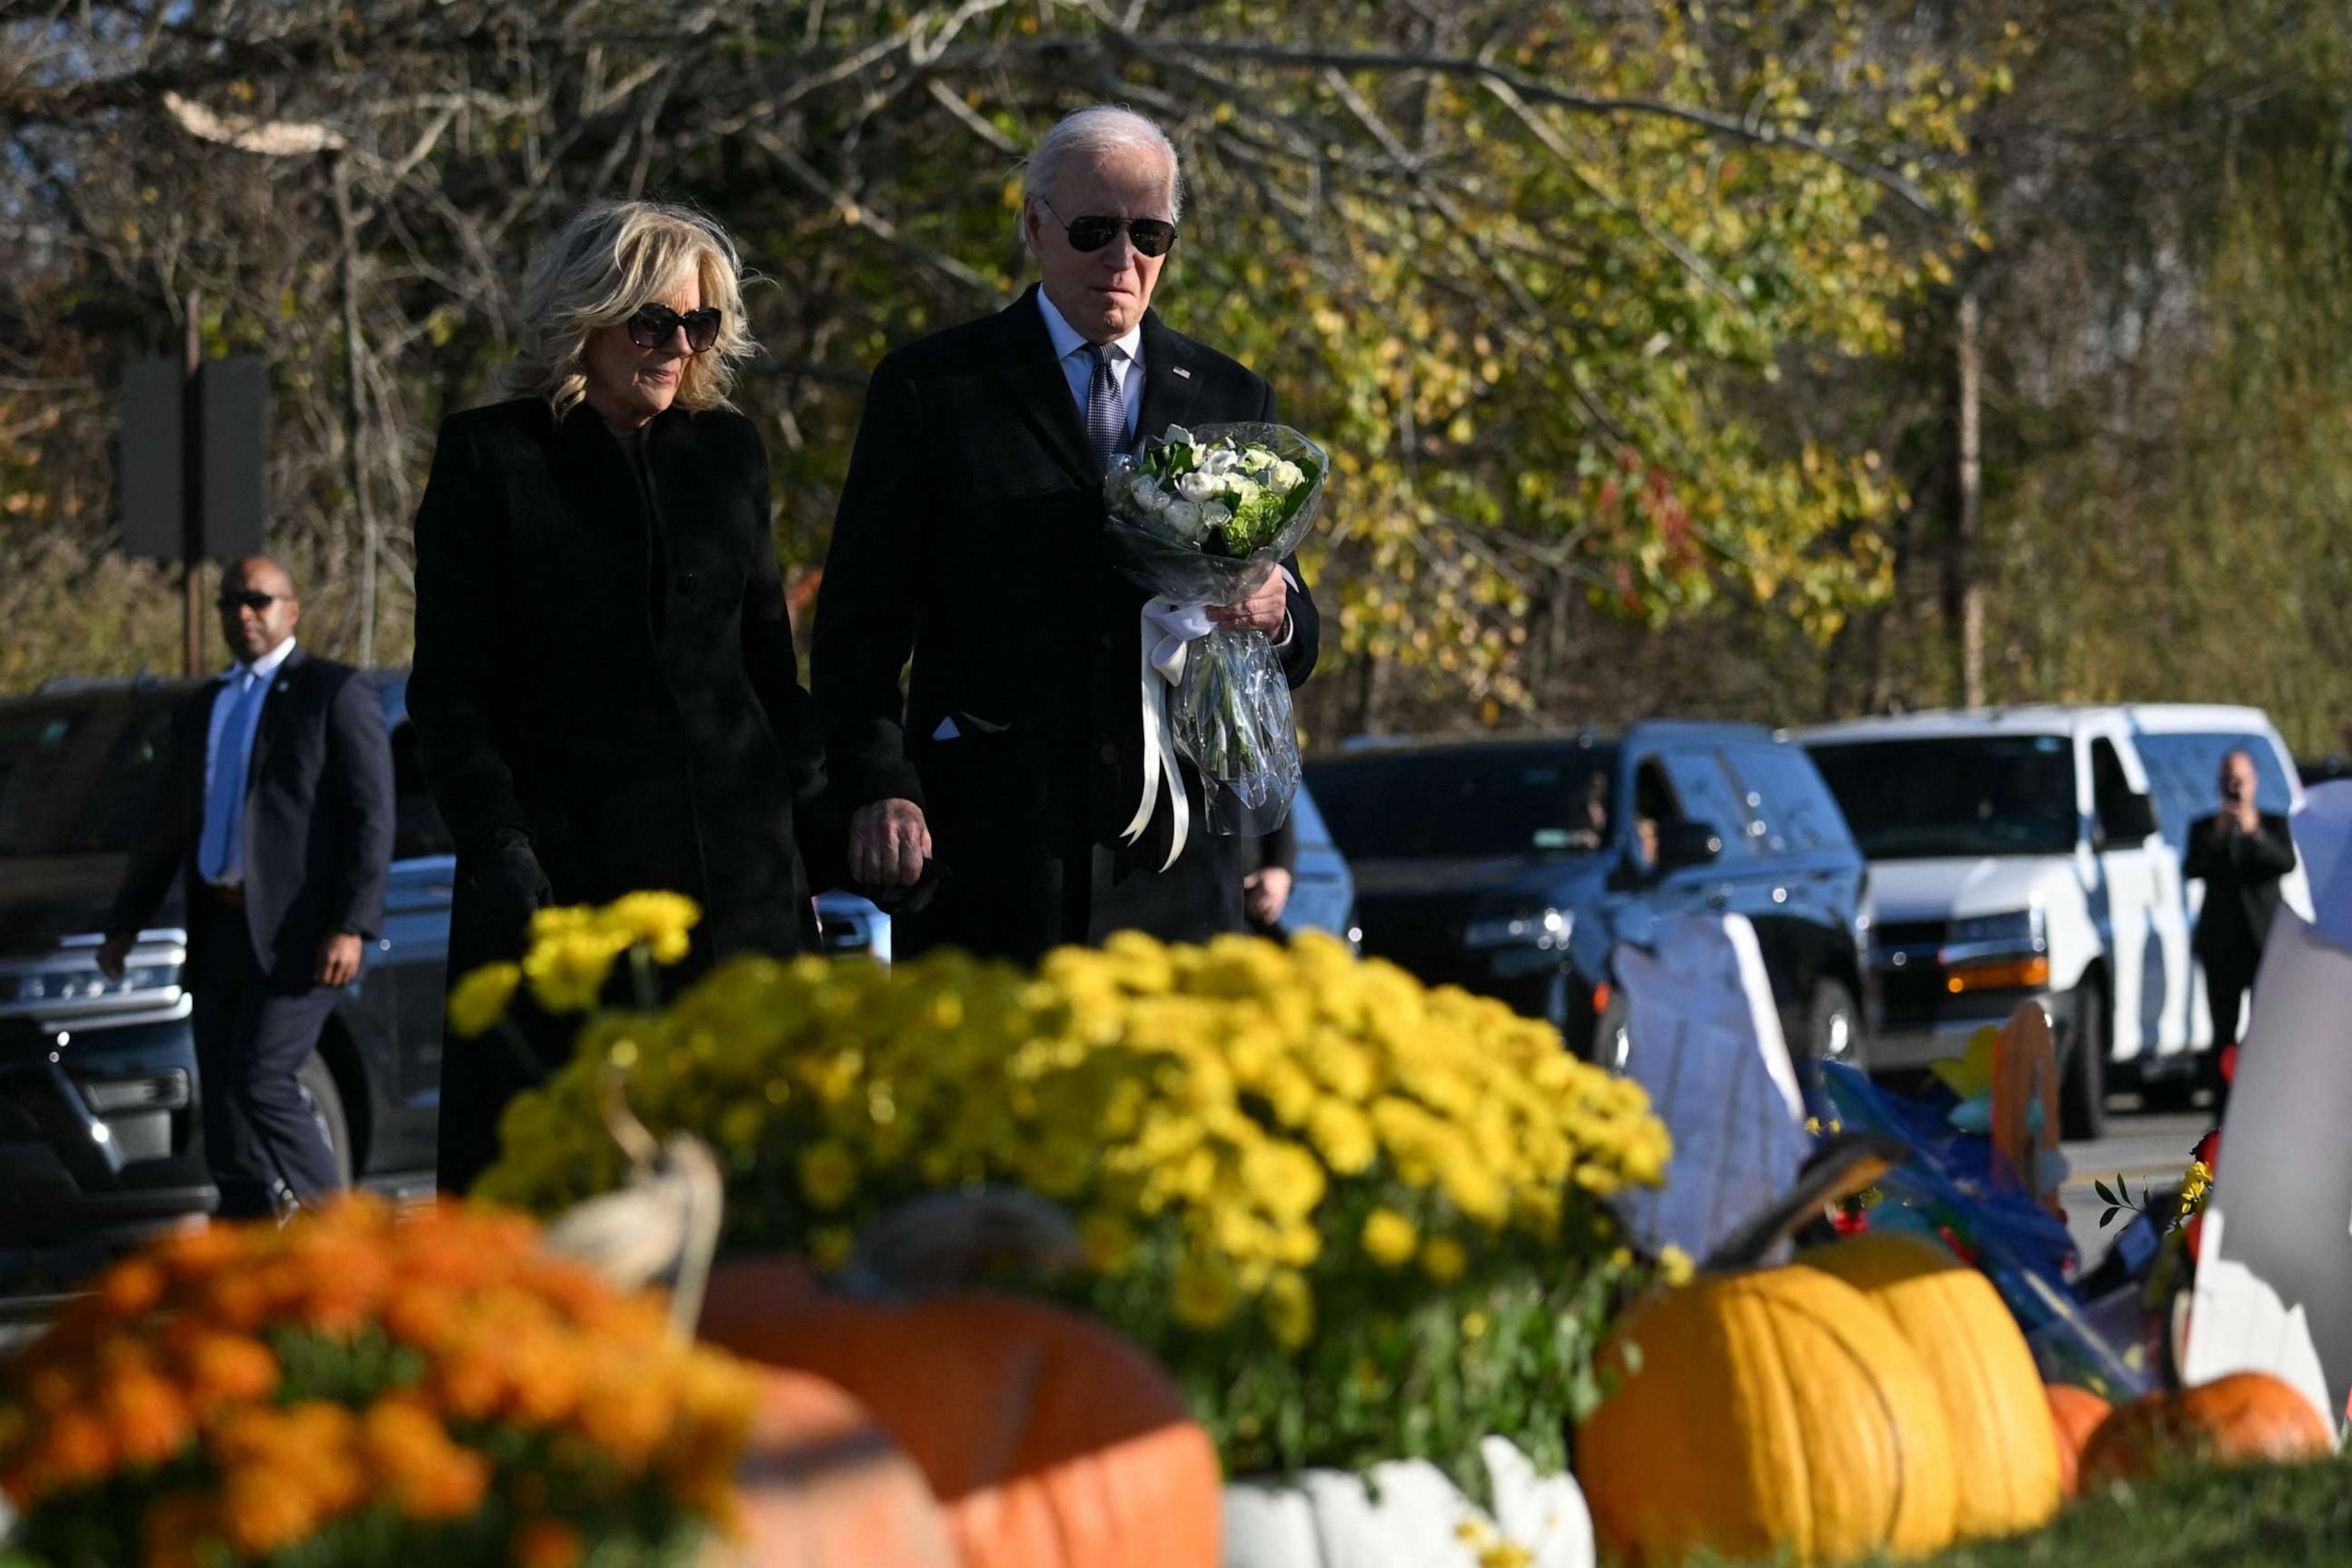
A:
(252, 599)
(1150, 235)
(652, 325)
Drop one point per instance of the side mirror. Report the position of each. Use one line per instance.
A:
(1685, 844)
(2130, 820)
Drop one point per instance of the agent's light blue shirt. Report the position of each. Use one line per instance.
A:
(217, 736)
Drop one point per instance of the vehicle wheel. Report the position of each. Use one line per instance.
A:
(1833, 1032)
(1611, 1045)
(317, 1081)
(2083, 1091)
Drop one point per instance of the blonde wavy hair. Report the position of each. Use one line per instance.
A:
(600, 268)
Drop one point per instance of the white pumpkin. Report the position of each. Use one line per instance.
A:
(1405, 1513)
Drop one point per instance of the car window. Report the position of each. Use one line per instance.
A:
(83, 775)
(1467, 802)
(2183, 771)
(417, 830)
(1708, 792)
(1798, 813)
(1955, 796)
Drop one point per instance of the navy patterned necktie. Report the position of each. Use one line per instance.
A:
(1106, 417)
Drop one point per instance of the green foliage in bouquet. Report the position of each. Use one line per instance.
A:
(1229, 497)
(1356, 1217)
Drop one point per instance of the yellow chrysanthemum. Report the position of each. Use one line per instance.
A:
(1287, 1305)
(567, 968)
(1204, 1294)
(1444, 1260)
(480, 1000)
(1390, 1238)
(660, 921)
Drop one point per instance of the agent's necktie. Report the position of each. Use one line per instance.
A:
(219, 852)
(1106, 416)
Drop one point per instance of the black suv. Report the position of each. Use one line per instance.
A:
(1513, 866)
(99, 1130)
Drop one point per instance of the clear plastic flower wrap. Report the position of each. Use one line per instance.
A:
(1199, 517)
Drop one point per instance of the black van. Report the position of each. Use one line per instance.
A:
(1512, 867)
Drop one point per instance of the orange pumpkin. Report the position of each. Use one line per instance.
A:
(821, 1483)
(1982, 1369)
(2245, 1419)
(1773, 1411)
(2074, 1415)
(1049, 1441)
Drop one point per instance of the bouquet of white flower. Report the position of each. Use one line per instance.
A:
(1200, 518)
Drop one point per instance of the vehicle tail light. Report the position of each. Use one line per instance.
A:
(2008, 975)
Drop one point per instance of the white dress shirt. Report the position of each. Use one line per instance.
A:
(265, 668)
(1125, 353)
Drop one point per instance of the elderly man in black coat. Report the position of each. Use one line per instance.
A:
(605, 692)
(970, 538)
(280, 833)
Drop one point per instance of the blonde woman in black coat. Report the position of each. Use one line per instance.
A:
(605, 692)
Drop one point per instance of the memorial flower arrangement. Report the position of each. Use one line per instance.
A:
(1355, 1216)
(363, 1388)
(1201, 518)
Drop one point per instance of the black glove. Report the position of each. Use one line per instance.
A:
(509, 885)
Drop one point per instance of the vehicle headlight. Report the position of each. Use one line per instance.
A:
(2019, 928)
(1541, 928)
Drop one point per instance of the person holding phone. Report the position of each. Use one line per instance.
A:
(2240, 854)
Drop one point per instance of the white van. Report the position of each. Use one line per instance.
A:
(2035, 852)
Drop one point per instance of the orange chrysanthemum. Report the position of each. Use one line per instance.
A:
(171, 1358)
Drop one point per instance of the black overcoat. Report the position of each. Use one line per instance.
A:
(613, 680)
(970, 539)
(2241, 872)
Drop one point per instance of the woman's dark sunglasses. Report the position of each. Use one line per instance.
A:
(650, 328)
(1150, 235)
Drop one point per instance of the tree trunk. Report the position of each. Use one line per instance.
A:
(1966, 591)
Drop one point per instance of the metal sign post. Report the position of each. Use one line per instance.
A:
(193, 465)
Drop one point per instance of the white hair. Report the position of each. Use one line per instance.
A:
(1089, 133)
(611, 258)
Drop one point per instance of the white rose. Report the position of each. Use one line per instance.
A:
(1257, 458)
(1286, 474)
(1197, 486)
(1219, 460)
(1216, 514)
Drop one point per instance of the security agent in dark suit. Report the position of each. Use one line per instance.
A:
(2241, 855)
(969, 536)
(280, 830)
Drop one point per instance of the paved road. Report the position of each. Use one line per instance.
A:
(2141, 1147)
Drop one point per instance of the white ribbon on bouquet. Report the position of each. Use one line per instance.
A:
(1169, 630)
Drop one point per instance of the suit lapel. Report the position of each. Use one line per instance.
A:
(1170, 384)
(1039, 389)
(274, 704)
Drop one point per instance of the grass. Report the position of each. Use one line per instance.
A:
(2202, 1517)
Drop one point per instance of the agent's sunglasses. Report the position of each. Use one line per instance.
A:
(1150, 235)
(252, 599)
(650, 328)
